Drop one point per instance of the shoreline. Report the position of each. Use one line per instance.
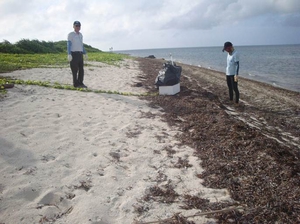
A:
(254, 95)
(262, 83)
(267, 71)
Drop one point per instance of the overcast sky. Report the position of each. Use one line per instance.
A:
(144, 24)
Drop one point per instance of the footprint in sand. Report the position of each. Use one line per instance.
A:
(47, 158)
(53, 204)
(54, 198)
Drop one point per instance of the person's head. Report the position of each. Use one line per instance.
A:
(76, 26)
(227, 47)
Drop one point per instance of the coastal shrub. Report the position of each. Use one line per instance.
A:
(33, 46)
(7, 47)
(25, 46)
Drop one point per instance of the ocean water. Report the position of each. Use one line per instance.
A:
(278, 65)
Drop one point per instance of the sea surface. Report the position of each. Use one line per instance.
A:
(278, 65)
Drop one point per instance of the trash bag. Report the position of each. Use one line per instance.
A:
(169, 75)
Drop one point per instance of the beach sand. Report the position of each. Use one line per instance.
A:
(83, 157)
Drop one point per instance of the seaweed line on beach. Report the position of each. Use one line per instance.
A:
(10, 81)
(251, 149)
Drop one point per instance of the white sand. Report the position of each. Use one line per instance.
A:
(53, 143)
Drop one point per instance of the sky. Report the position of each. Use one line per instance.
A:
(148, 24)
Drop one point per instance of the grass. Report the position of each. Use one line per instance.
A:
(12, 62)
(56, 85)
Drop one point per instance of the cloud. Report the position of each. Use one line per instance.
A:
(209, 14)
(146, 24)
(291, 20)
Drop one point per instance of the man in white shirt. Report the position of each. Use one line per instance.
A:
(232, 71)
(75, 55)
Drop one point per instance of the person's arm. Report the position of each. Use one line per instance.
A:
(237, 68)
(83, 50)
(69, 45)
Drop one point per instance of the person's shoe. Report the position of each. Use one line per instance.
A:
(82, 86)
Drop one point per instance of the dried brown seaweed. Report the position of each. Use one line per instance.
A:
(182, 163)
(163, 194)
(260, 171)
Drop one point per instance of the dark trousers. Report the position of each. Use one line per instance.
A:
(233, 86)
(77, 68)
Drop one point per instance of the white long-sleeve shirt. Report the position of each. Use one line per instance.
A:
(75, 42)
(233, 63)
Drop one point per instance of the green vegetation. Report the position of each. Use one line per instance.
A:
(56, 85)
(12, 62)
(27, 54)
(106, 57)
(26, 46)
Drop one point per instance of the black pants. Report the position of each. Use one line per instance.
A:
(233, 86)
(77, 68)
